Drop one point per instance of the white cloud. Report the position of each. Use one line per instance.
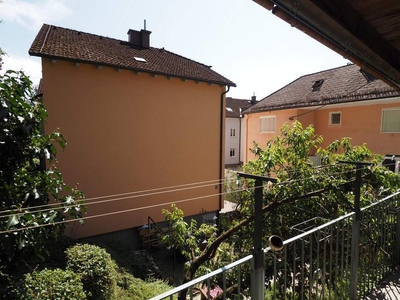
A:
(31, 66)
(33, 15)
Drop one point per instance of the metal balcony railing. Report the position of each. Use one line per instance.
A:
(317, 264)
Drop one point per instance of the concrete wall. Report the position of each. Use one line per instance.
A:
(128, 133)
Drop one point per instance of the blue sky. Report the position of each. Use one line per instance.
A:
(238, 38)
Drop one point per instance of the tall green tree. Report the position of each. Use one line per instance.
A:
(34, 200)
(303, 190)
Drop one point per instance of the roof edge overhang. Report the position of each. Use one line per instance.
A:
(130, 69)
(320, 103)
(342, 29)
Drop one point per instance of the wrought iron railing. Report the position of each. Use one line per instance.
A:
(203, 286)
(319, 263)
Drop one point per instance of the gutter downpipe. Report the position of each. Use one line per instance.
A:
(240, 134)
(221, 144)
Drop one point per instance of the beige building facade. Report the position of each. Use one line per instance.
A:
(138, 139)
(347, 104)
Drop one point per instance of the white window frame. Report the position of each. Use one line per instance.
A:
(382, 119)
(232, 151)
(267, 117)
(330, 118)
(233, 132)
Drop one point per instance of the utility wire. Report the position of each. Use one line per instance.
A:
(60, 206)
(118, 212)
(124, 211)
(142, 193)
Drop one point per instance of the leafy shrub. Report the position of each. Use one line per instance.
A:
(53, 284)
(29, 176)
(130, 287)
(96, 268)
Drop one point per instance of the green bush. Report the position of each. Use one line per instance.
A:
(96, 268)
(53, 284)
(130, 287)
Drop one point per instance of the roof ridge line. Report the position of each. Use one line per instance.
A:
(209, 67)
(327, 70)
(110, 51)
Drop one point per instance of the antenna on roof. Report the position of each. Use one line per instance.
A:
(144, 24)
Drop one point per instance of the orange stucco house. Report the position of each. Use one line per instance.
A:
(137, 119)
(340, 102)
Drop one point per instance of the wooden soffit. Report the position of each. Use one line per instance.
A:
(367, 32)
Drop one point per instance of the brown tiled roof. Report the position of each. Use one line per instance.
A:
(61, 43)
(340, 85)
(235, 105)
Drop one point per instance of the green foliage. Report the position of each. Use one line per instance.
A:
(187, 237)
(136, 262)
(28, 176)
(286, 158)
(304, 192)
(129, 287)
(96, 268)
(53, 284)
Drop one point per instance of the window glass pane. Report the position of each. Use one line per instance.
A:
(335, 118)
(391, 120)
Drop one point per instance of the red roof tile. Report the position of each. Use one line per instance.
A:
(340, 85)
(61, 43)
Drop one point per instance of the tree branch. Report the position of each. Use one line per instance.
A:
(211, 249)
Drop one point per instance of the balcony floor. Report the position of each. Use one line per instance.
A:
(388, 289)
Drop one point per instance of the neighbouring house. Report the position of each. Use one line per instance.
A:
(144, 127)
(341, 102)
(233, 130)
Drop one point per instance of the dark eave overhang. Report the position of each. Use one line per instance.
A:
(325, 102)
(131, 69)
(337, 25)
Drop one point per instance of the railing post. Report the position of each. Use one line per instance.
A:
(258, 266)
(355, 235)
(397, 252)
(258, 252)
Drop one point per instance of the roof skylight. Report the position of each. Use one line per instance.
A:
(368, 76)
(141, 59)
(229, 109)
(317, 85)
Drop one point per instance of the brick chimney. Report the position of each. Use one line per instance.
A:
(253, 100)
(139, 38)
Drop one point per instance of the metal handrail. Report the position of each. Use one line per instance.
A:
(380, 201)
(202, 278)
(341, 243)
(148, 229)
(158, 227)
